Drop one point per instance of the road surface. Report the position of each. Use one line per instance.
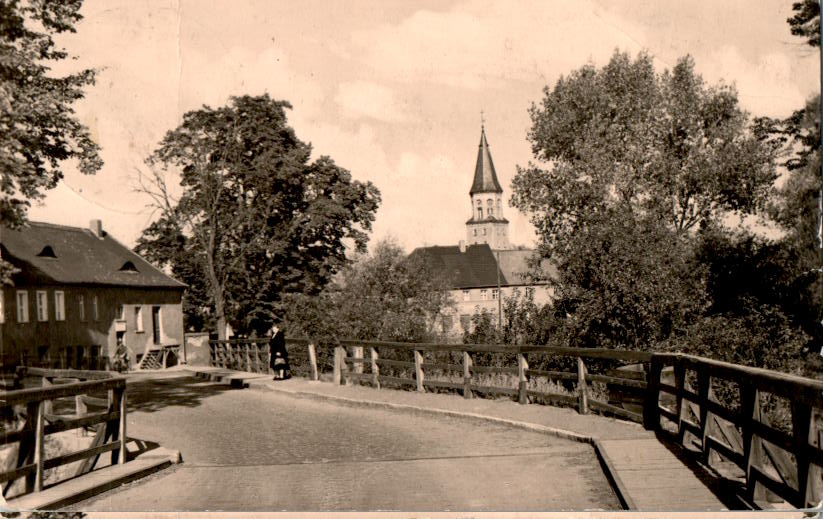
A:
(252, 450)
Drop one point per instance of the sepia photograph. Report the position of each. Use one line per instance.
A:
(411, 258)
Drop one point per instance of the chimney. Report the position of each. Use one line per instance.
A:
(462, 245)
(96, 227)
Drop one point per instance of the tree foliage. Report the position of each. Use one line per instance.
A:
(385, 296)
(38, 127)
(656, 146)
(806, 21)
(257, 218)
(632, 163)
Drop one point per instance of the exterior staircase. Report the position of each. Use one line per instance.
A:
(152, 359)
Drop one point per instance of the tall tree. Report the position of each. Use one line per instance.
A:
(806, 21)
(257, 218)
(631, 164)
(38, 127)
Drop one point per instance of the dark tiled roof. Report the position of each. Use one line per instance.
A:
(485, 177)
(79, 257)
(474, 268)
(487, 219)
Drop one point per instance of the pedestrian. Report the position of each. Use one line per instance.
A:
(279, 356)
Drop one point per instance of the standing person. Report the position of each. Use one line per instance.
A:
(279, 360)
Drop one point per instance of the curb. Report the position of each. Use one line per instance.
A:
(613, 478)
(94, 483)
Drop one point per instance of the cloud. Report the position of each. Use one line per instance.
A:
(358, 99)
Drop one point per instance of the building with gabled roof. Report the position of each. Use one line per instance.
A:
(82, 299)
(485, 268)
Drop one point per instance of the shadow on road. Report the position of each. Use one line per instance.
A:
(153, 394)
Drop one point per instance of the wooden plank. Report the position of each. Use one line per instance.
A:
(617, 381)
(395, 363)
(65, 459)
(495, 390)
(582, 391)
(375, 369)
(21, 396)
(491, 369)
(444, 366)
(619, 411)
(522, 368)
(24, 470)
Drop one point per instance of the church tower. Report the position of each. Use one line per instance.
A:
(487, 224)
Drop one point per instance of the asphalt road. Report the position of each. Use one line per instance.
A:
(251, 450)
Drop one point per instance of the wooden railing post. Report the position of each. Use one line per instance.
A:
(38, 445)
(313, 362)
(358, 353)
(522, 370)
(679, 384)
(802, 431)
(703, 392)
(418, 370)
(375, 369)
(752, 451)
(467, 375)
(339, 353)
(651, 406)
(122, 429)
(583, 404)
(247, 347)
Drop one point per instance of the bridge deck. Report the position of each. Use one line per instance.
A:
(651, 472)
(655, 478)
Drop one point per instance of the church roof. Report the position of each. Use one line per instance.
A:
(485, 177)
(476, 267)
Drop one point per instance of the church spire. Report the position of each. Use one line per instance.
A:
(485, 177)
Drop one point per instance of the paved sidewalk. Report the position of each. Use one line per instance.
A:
(616, 441)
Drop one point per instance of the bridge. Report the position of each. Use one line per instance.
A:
(369, 426)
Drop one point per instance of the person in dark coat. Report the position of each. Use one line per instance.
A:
(279, 359)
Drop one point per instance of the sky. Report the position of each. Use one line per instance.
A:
(391, 90)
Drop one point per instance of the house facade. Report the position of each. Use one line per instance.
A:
(485, 269)
(82, 300)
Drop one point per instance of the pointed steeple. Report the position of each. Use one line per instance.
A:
(485, 178)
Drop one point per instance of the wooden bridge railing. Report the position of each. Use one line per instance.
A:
(784, 459)
(456, 367)
(253, 355)
(35, 407)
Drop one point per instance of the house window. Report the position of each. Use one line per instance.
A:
(121, 312)
(494, 294)
(59, 306)
(81, 308)
(95, 309)
(138, 318)
(447, 323)
(22, 306)
(42, 305)
(475, 232)
(484, 231)
(479, 213)
(466, 295)
(484, 294)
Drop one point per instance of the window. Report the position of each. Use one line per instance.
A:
(484, 294)
(42, 306)
(479, 213)
(129, 267)
(81, 307)
(22, 306)
(475, 232)
(121, 312)
(138, 318)
(530, 292)
(494, 294)
(47, 252)
(59, 306)
(95, 309)
(466, 295)
(484, 232)
(447, 323)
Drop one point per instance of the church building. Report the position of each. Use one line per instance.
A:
(485, 268)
